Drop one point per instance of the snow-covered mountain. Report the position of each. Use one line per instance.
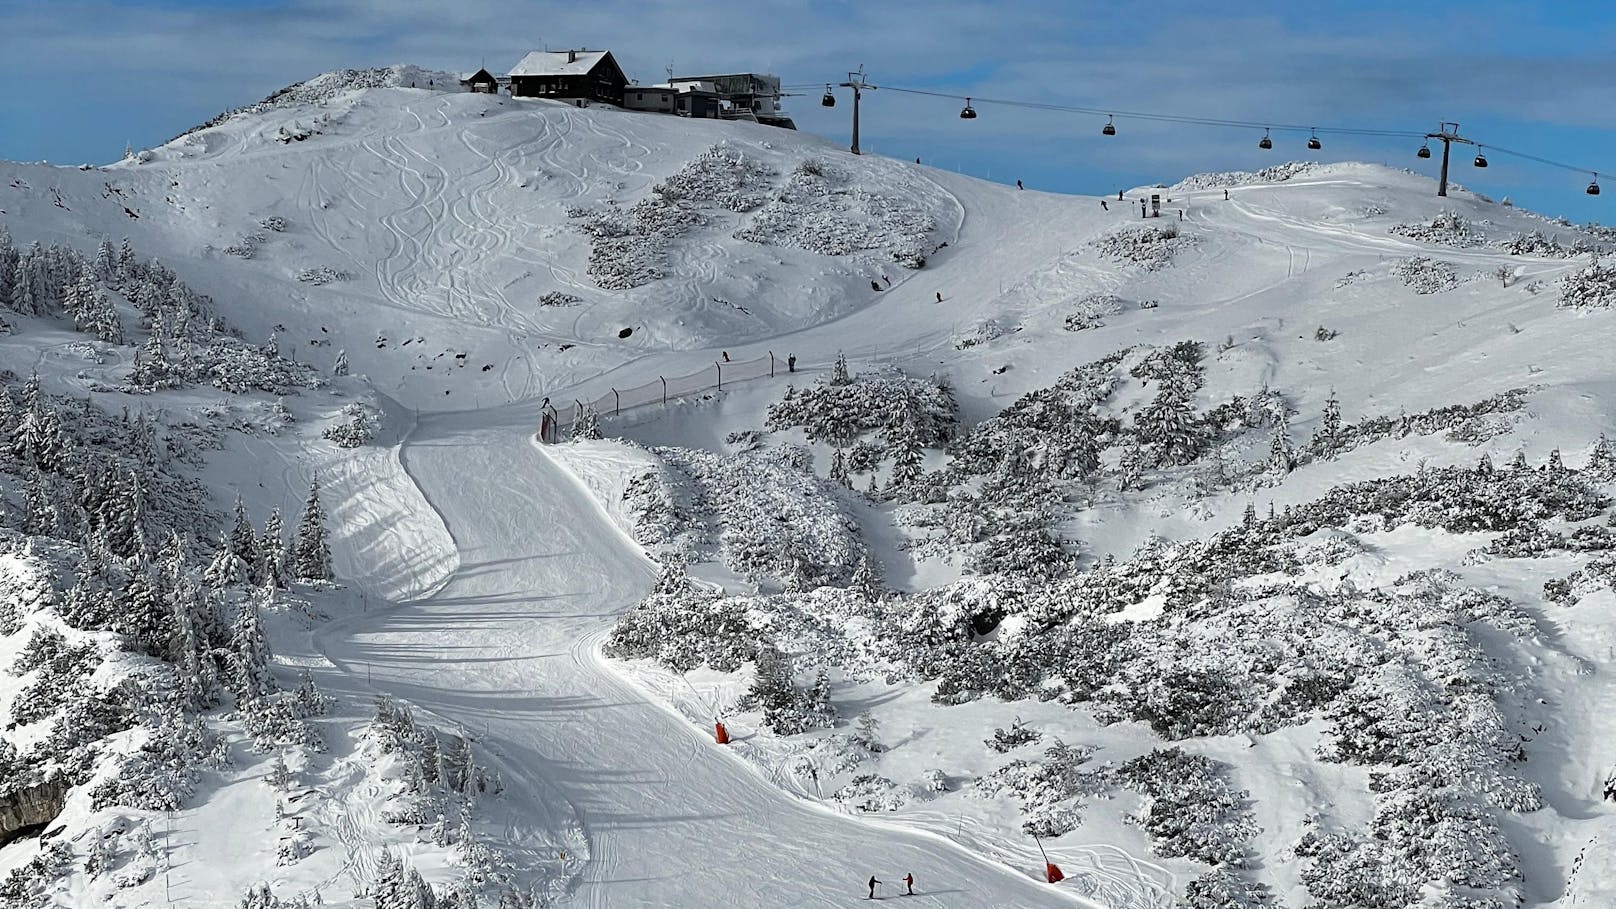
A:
(1257, 554)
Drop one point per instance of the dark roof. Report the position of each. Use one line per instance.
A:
(481, 75)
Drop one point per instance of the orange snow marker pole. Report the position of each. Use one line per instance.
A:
(720, 734)
(1052, 872)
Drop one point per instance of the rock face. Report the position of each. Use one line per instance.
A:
(30, 807)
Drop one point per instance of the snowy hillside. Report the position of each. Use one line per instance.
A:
(1255, 555)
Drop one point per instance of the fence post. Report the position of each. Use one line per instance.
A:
(664, 390)
(771, 364)
(720, 368)
(617, 403)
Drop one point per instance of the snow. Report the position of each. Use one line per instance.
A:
(427, 234)
(557, 63)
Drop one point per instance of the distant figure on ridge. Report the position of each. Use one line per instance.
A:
(1225, 195)
(1103, 206)
(939, 296)
(1018, 185)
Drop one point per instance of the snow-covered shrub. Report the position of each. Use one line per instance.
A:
(1050, 790)
(684, 629)
(1091, 310)
(665, 514)
(1191, 810)
(722, 175)
(824, 210)
(1017, 735)
(357, 428)
(983, 332)
(870, 793)
(1279, 173)
(839, 408)
(1222, 888)
(320, 274)
(776, 518)
(787, 709)
(1426, 275)
(274, 223)
(1448, 228)
(1150, 247)
(558, 298)
(1590, 287)
(1536, 243)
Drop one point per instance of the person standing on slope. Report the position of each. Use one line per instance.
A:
(873, 882)
(909, 881)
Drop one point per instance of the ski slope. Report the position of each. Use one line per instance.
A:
(494, 570)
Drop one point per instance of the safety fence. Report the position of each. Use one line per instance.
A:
(663, 389)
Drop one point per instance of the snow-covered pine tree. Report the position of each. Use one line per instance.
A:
(39, 515)
(226, 569)
(106, 262)
(272, 547)
(838, 469)
(100, 318)
(1170, 427)
(76, 300)
(279, 776)
(340, 367)
(1281, 456)
(1327, 440)
(187, 648)
(128, 267)
(867, 580)
(249, 656)
(387, 891)
(838, 372)
(145, 618)
(311, 557)
(244, 543)
(1602, 460)
(908, 465)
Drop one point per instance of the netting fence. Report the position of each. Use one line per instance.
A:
(663, 389)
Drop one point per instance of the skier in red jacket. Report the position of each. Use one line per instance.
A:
(909, 881)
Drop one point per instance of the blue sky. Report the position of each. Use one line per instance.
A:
(86, 76)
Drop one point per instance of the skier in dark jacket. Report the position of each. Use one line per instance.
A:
(873, 882)
(909, 881)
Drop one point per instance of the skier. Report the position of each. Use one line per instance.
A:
(939, 296)
(873, 882)
(726, 355)
(1143, 213)
(917, 160)
(1225, 195)
(1103, 206)
(791, 363)
(1119, 195)
(1181, 214)
(875, 286)
(1018, 185)
(909, 881)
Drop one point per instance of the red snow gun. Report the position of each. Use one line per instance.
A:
(720, 734)
(1052, 873)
